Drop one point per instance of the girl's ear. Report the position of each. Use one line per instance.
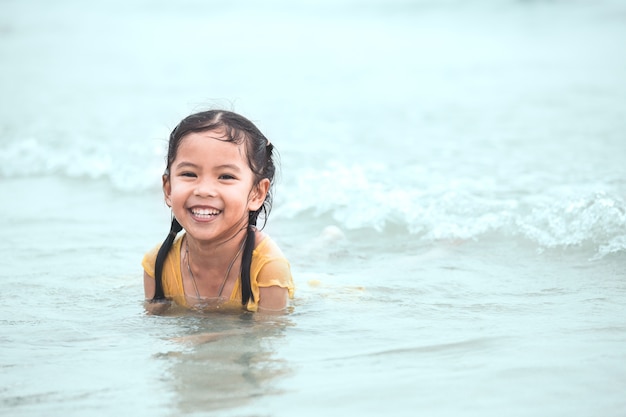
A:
(167, 190)
(257, 195)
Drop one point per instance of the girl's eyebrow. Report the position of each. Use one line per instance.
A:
(229, 166)
(184, 164)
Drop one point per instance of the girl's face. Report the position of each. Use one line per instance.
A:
(211, 188)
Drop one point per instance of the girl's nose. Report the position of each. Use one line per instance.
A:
(205, 188)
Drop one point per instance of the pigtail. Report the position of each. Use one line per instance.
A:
(246, 259)
(159, 295)
(267, 171)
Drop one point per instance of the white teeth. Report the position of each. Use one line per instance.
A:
(204, 212)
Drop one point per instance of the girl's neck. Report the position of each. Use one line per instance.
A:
(211, 269)
(212, 254)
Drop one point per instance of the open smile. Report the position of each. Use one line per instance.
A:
(204, 213)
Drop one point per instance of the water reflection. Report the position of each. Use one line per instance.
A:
(222, 361)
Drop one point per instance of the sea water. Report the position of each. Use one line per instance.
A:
(452, 198)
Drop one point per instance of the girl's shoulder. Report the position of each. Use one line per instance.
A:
(259, 237)
(149, 258)
(266, 247)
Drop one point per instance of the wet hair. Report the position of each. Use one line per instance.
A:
(259, 151)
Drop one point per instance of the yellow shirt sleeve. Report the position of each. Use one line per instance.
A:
(172, 278)
(149, 259)
(269, 268)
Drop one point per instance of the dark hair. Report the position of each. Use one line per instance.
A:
(237, 129)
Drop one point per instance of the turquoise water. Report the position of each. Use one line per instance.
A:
(451, 198)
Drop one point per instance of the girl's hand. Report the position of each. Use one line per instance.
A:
(156, 308)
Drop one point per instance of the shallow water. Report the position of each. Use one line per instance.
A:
(452, 201)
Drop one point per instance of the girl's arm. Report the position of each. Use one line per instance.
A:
(272, 298)
(148, 288)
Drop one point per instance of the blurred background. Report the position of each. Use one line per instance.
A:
(418, 113)
(451, 197)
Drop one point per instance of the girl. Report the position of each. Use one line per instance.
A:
(217, 181)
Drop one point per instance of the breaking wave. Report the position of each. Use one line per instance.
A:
(436, 207)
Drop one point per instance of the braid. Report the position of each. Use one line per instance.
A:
(246, 259)
(159, 295)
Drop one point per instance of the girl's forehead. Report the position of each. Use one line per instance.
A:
(212, 143)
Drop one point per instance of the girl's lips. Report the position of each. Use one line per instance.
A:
(204, 213)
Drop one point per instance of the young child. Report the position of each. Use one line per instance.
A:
(218, 180)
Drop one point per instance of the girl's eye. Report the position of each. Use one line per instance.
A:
(226, 177)
(188, 174)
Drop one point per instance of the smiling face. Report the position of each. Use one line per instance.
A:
(211, 188)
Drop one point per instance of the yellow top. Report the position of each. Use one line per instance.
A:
(269, 268)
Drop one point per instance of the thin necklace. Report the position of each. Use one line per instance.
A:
(193, 278)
